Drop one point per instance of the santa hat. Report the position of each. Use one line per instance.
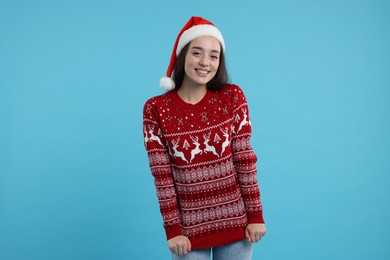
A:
(194, 28)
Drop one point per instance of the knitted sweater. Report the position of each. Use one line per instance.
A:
(203, 165)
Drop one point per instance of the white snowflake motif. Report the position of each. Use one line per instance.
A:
(236, 98)
(148, 108)
(180, 121)
(212, 100)
(225, 110)
(203, 116)
(167, 100)
(169, 118)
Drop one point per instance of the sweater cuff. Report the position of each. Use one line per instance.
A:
(173, 231)
(255, 217)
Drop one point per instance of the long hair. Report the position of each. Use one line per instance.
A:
(220, 79)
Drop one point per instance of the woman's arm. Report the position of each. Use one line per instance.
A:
(244, 158)
(158, 155)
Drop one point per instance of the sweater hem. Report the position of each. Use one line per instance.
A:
(217, 239)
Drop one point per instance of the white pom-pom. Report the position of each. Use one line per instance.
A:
(167, 83)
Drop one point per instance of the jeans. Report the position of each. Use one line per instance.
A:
(240, 250)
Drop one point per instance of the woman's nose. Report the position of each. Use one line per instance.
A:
(204, 61)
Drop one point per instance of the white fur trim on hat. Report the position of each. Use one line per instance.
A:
(197, 31)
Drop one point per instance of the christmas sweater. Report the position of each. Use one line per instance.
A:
(203, 165)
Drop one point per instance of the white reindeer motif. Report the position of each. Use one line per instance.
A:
(244, 120)
(209, 148)
(146, 137)
(196, 150)
(177, 153)
(227, 141)
(154, 137)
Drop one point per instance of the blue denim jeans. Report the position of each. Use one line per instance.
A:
(240, 250)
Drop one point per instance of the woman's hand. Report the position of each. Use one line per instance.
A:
(179, 245)
(254, 232)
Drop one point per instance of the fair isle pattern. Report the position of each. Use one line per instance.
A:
(241, 144)
(201, 159)
(209, 185)
(158, 158)
(199, 174)
(203, 216)
(193, 205)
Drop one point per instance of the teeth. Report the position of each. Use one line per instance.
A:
(202, 71)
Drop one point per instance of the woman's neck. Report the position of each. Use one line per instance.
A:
(192, 95)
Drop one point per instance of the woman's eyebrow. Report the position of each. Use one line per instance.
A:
(201, 49)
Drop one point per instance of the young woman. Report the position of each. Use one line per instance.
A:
(197, 139)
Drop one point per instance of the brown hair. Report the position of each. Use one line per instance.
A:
(220, 79)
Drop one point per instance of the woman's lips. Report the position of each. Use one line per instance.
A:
(202, 72)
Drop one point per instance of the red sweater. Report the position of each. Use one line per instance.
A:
(203, 165)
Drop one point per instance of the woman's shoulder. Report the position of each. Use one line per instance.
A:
(155, 100)
(232, 90)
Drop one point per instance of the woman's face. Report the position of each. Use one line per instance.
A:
(201, 61)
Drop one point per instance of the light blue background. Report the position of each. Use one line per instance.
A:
(74, 75)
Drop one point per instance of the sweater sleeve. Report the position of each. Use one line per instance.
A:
(158, 155)
(244, 158)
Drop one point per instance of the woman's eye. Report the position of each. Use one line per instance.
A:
(196, 53)
(214, 57)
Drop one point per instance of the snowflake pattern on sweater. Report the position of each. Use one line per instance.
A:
(203, 165)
